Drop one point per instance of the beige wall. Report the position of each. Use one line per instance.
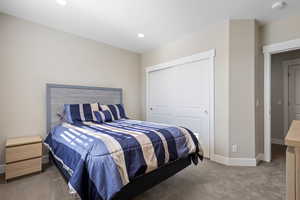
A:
(242, 35)
(32, 55)
(277, 123)
(237, 62)
(281, 30)
(215, 36)
(259, 93)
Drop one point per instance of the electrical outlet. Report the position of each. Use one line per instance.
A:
(234, 148)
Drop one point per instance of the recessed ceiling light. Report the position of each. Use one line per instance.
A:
(140, 35)
(279, 5)
(61, 2)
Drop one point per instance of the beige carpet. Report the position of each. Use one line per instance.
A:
(207, 181)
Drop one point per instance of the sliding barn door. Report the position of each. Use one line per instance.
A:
(180, 96)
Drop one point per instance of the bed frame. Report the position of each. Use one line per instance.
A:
(142, 183)
(58, 95)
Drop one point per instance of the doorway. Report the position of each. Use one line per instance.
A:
(270, 52)
(285, 79)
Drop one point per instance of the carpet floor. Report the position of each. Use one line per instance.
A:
(207, 181)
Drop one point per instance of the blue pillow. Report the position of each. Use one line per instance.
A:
(103, 116)
(117, 111)
(80, 112)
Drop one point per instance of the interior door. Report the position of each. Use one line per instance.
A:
(179, 95)
(294, 93)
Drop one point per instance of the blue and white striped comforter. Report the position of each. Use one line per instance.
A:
(111, 154)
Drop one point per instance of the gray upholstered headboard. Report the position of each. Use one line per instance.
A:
(58, 95)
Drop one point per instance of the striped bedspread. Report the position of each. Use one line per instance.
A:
(111, 154)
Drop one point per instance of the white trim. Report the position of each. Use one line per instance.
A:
(260, 157)
(212, 104)
(268, 51)
(221, 159)
(282, 47)
(267, 107)
(243, 162)
(235, 161)
(193, 58)
(277, 141)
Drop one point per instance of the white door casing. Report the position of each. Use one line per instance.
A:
(268, 50)
(181, 92)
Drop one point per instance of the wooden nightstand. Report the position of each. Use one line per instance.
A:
(23, 156)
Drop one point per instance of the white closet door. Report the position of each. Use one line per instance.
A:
(161, 95)
(179, 95)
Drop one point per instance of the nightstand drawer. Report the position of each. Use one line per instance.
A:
(23, 167)
(23, 152)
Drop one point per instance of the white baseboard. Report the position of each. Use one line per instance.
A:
(260, 157)
(220, 159)
(235, 161)
(242, 162)
(277, 141)
(45, 159)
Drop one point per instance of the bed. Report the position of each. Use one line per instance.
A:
(117, 159)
